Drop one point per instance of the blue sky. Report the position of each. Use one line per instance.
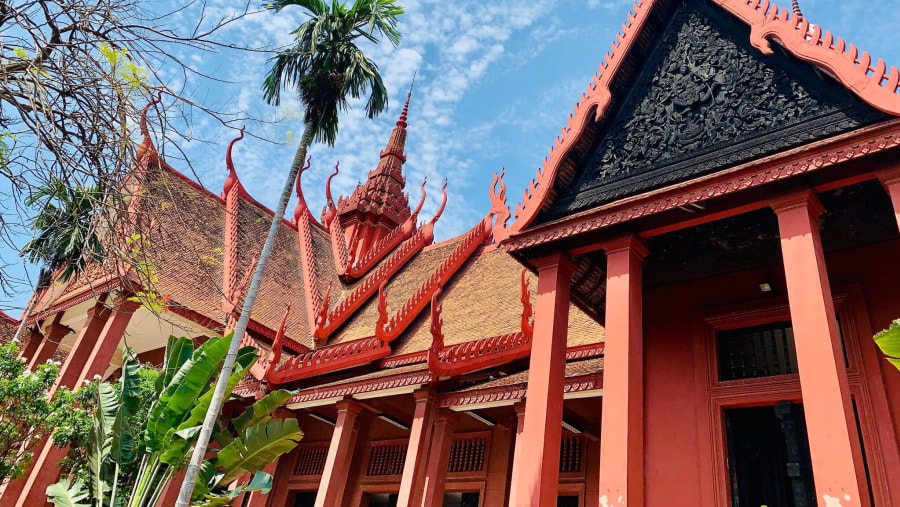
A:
(496, 82)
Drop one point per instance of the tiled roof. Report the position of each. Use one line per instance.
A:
(8, 326)
(481, 300)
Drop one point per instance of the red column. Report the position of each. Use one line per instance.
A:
(43, 469)
(47, 347)
(417, 450)
(70, 373)
(283, 474)
(340, 455)
(536, 462)
(170, 490)
(891, 181)
(438, 458)
(496, 486)
(622, 418)
(833, 438)
(28, 349)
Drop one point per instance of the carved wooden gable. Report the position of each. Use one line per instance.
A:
(699, 98)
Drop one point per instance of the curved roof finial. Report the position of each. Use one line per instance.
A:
(232, 178)
(443, 203)
(328, 200)
(301, 200)
(277, 344)
(797, 13)
(143, 122)
(146, 145)
(422, 200)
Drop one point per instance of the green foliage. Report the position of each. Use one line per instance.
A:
(325, 65)
(28, 412)
(142, 429)
(889, 343)
(65, 228)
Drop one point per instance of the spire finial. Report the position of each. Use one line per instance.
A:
(797, 13)
(402, 121)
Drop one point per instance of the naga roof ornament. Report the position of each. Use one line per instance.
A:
(477, 355)
(146, 148)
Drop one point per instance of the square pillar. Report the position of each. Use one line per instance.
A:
(536, 462)
(833, 438)
(170, 491)
(340, 455)
(622, 417)
(102, 346)
(32, 342)
(438, 458)
(890, 180)
(47, 347)
(413, 479)
(70, 373)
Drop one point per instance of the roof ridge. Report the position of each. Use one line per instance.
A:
(389, 329)
(330, 358)
(875, 85)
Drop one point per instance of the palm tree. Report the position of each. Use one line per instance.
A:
(325, 67)
(65, 236)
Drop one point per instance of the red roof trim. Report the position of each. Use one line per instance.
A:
(362, 386)
(515, 392)
(757, 173)
(873, 84)
(388, 330)
(329, 359)
(404, 360)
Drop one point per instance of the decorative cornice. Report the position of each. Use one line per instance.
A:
(363, 386)
(389, 329)
(585, 351)
(515, 392)
(329, 359)
(404, 360)
(827, 154)
(873, 84)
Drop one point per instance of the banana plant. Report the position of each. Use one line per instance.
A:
(165, 437)
(889, 343)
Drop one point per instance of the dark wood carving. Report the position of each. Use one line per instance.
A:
(705, 100)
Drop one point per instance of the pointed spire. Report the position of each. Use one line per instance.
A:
(401, 122)
(146, 146)
(797, 13)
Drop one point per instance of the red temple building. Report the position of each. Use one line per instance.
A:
(679, 311)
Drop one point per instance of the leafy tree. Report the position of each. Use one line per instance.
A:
(325, 67)
(65, 238)
(27, 412)
(140, 432)
(888, 341)
(75, 77)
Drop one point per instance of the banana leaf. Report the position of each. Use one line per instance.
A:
(67, 494)
(175, 446)
(187, 384)
(261, 411)
(122, 450)
(889, 343)
(258, 446)
(178, 351)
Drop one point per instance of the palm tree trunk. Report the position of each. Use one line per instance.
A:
(215, 406)
(17, 337)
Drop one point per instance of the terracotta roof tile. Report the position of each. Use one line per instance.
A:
(483, 300)
(8, 326)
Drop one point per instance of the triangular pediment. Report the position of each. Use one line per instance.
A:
(697, 97)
